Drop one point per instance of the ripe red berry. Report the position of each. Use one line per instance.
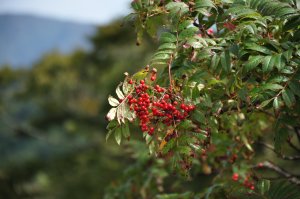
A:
(153, 78)
(182, 106)
(235, 176)
(142, 81)
(166, 96)
(130, 81)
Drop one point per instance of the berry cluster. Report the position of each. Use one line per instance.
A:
(153, 105)
(247, 182)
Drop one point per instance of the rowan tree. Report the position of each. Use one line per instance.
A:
(223, 83)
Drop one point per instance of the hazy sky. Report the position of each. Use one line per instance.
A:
(90, 11)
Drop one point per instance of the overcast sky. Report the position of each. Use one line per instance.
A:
(88, 11)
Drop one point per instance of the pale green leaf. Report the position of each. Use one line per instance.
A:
(276, 104)
(111, 114)
(118, 135)
(113, 101)
(119, 93)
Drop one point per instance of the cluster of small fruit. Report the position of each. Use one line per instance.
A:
(162, 105)
(247, 182)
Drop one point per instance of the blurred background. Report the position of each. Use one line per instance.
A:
(59, 60)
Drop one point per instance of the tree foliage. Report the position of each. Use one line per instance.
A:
(237, 62)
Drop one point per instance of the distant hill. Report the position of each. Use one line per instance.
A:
(24, 39)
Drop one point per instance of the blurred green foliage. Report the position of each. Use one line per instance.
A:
(52, 126)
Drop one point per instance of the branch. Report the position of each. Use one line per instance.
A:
(297, 157)
(293, 146)
(290, 177)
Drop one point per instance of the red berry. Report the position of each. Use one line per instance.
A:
(182, 106)
(130, 81)
(235, 176)
(153, 78)
(142, 81)
(252, 187)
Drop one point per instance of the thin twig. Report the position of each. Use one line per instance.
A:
(290, 177)
(297, 157)
(169, 70)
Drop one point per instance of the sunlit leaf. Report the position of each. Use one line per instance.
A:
(113, 101)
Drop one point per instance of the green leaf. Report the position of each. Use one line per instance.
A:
(199, 116)
(205, 4)
(118, 135)
(195, 44)
(167, 46)
(184, 25)
(276, 103)
(292, 23)
(271, 86)
(161, 57)
(268, 63)
(287, 54)
(278, 62)
(258, 48)
(263, 186)
(265, 103)
(164, 52)
(177, 7)
(113, 101)
(186, 124)
(187, 33)
(200, 136)
(282, 189)
(225, 61)
(111, 125)
(125, 130)
(215, 61)
(109, 134)
(136, 5)
(295, 87)
(203, 11)
(288, 97)
(167, 37)
(253, 62)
